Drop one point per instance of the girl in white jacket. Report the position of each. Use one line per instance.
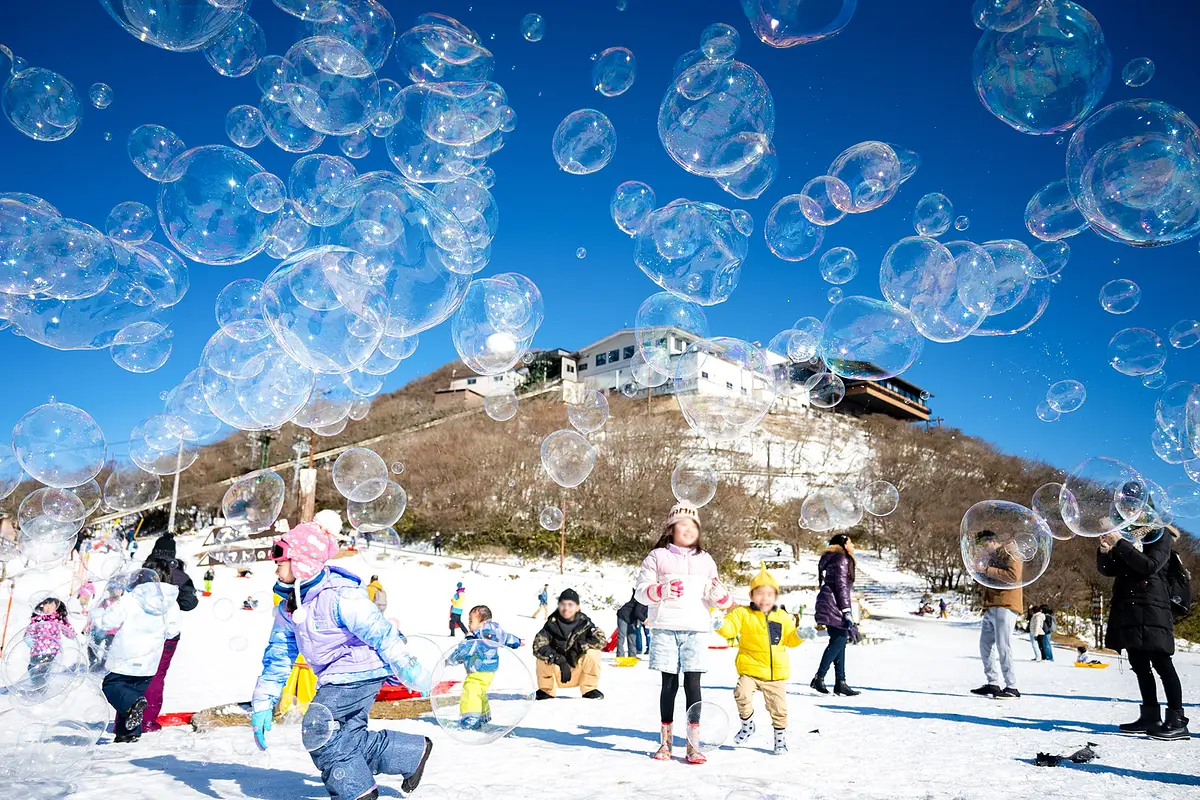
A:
(144, 614)
(679, 583)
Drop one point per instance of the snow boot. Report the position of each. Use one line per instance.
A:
(818, 684)
(1175, 728)
(594, 694)
(410, 783)
(694, 756)
(133, 717)
(471, 722)
(746, 731)
(665, 738)
(543, 695)
(1149, 718)
(781, 741)
(987, 690)
(1010, 693)
(125, 738)
(844, 690)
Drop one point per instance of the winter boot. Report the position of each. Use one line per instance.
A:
(133, 717)
(1010, 693)
(818, 684)
(125, 738)
(471, 722)
(410, 783)
(842, 688)
(781, 741)
(594, 694)
(694, 756)
(987, 690)
(1175, 727)
(746, 731)
(1149, 719)
(665, 738)
(543, 695)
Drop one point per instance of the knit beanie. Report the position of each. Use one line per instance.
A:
(329, 521)
(163, 546)
(683, 511)
(308, 548)
(569, 594)
(764, 578)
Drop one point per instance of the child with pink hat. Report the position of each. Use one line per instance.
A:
(326, 616)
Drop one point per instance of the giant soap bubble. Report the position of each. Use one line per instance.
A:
(567, 457)
(867, 339)
(831, 508)
(728, 416)
(59, 445)
(589, 412)
(631, 205)
(1051, 213)
(880, 498)
(176, 24)
(360, 474)
(789, 231)
(716, 118)
(496, 322)
(331, 85)
(1136, 351)
(657, 318)
(1133, 169)
(694, 250)
(379, 513)
(694, 481)
(481, 689)
(153, 150)
(253, 502)
(872, 173)
(787, 23)
(41, 104)
(1004, 545)
(1101, 495)
(584, 142)
(1047, 75)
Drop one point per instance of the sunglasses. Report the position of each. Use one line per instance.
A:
(280, 551)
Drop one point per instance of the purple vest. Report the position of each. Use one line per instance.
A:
(329, 648)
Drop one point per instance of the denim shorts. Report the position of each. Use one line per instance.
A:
(676, 651)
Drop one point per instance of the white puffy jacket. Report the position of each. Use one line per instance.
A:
(696, 571)
(143, 619)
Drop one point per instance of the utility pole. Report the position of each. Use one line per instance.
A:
(175, 490)
(562, 539)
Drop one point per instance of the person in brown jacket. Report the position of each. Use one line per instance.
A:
(1003, 602)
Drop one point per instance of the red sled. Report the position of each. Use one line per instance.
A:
(612, 643)
(388, 692)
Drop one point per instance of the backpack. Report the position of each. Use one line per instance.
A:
(1179, 586)
(1051, 624)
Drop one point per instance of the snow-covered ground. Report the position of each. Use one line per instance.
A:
(914, 732)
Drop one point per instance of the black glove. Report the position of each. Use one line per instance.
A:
(564, 668)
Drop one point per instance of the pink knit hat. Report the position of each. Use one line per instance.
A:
(308, 547)
(683, 511)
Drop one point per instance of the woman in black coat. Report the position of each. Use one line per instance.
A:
(1141, 623)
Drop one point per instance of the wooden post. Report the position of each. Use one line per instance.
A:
(12, 589)
(562, 543)
(175, 489)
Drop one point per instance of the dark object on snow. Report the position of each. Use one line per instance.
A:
(1083, 755)
(815, 730)
(1047, 760)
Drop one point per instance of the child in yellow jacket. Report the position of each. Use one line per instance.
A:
(764, 633)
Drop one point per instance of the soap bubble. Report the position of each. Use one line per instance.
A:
(360, 474)
(551, 518)
(824, 389)
(239, 312)
(131, 222)
(914, 265)
(789, 24)
(1004, 545)
(1066, 396)
(1120, 296)
(317, 727)
(789, 233)
(331, 85)
(719, 42)
(1003, 15)
(584, 142)
(441, 49)
(533, 27)
(716, 118)
(721, 417)
(153, 149)
(1133, 169)
(933, 215)
(1053, 257)
(186, 25)
(871, 172)
(880, 498)
(708, 724)
(422, 159)
(50, 513)
(656, 318)
(949, 301)
(496, 322)
(831, 508)
(364, 24)
(1014, 263)
(568, 458)
(473, 206)
(286, 129)
(829, 197)
(128, 488)
(1185, 334)
(380, 513)
(253, 502)
(101, 95)
(501, 407)
(1184, 500)
(644, 373)
(1051, 213)
(186, 409)
(839, 265)
(244, 126)
(581, 252)
(868, 339)
(501, 690)
(205, 212)
(1136, 351)
(614, 71)
(1047, 75)
(41, 104)
(694, 482)
(1046, 412)
(589, 413)
(1046, 505)
(1101, 495)
(355, 145)
(59, 445)
(265, 192)
(142, 346)
(1138, 72)
(38, 684)
(631, 204)
(327, 406)
(237, 51)
(322, 310)
(318, 185)
(961, 223)
(751, 180)
(1155, 380)
(694, 250)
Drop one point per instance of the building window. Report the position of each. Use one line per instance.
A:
(628, 352)
(571, 368)
(498, 378)
(582, 367)
(703, 374)
(728, 385)
(743, 390)
(601, 359)
(614, 356)
(470, 381)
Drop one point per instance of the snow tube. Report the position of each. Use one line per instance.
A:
(1092, 666)
(626, 661)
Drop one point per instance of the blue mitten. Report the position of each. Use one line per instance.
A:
(261, 722)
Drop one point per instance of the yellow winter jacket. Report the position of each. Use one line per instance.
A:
(763, 641)
(372, 588)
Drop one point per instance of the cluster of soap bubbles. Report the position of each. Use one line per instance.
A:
(843, 506)
(694, 250)
(42, 104)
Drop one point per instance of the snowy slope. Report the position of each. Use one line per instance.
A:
(914, 732)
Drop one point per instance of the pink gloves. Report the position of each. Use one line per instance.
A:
(666, 591)
(720, 595)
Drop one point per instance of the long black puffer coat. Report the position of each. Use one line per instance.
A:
(1139, 615)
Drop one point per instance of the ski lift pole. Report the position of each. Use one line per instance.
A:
(175, 490)
(12, 589)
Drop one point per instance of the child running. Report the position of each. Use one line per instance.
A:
(47, 627)
(764, 633)
(325, 615)
(678, 582)
(456, 609)
(480, 654)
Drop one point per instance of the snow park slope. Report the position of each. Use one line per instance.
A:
(915, 731)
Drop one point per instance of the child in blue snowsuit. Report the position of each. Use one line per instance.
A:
(326, 616)
(480, 654)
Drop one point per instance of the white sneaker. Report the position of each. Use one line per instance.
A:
(746, 731)
(781, 747)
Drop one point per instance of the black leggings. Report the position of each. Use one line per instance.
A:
(670, 687)
(1140, 661)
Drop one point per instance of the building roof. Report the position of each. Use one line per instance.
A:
(617, 334)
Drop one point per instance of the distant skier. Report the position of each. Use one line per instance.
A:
(543, 603)
(456, 611)
(208, 582)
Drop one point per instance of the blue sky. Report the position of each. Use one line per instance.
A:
(900, 72)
